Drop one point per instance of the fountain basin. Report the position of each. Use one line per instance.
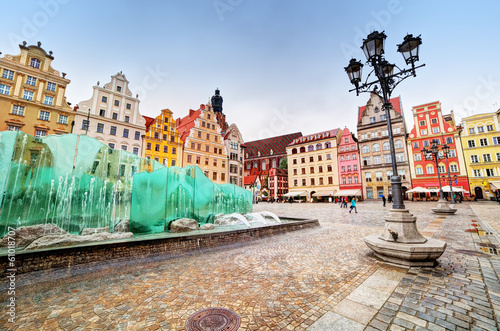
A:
(165, 244)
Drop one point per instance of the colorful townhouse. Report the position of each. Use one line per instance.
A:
(32, 96)
(480, 140)
(162, 141)
(349, 170)
(313, 165)
(431, 125)
(375, 153)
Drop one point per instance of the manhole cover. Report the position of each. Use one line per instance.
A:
(213, 319)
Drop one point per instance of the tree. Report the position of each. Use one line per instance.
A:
(284, 163)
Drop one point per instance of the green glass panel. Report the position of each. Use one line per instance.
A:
(203, 197)
(7, 143)
(180, 193)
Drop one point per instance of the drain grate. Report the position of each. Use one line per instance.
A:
(213, 319)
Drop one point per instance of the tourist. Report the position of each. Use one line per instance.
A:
(345, 201)
(353, 205)
(389, 198)
(383, 199)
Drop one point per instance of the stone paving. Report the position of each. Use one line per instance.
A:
(324, 278)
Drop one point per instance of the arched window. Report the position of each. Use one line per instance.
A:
(319, 146)
(310, 148)
(398, 144)
(386, 146)
(294, 150)
(328, 144)
(302, 149)
(365, 149)
(375, 148)
(274, 163)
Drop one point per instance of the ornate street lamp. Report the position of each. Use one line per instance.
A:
(433, 154)
(400, 242)
(446, 150)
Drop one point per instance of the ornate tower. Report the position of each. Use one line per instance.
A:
(216, 103)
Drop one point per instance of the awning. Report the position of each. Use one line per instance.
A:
(295, 193)
(348, 193)
(418, 189)
(323, 193)
(495, 185)
(455, 189)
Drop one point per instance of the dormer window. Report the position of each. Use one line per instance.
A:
(35, 63)
(118, 88)
(376, 109)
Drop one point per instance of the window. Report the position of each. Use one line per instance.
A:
(189, 158)
(426, 143)
(319, 146)
(398, 144)
(489, 172)
(378, 176)
(44, 115)
(343, 180)
(367, 161)
(310, 148)
(311, 159)
(471, 143)
(496, 140)
(63, 119)
(198, 147)
(419, 170)
(125, 133)
(385, 133)
(104, 99)
(48, 100)
(127, 119)
(480, 129)
(348, 168)
(214, 175)
(415, 145)
(400, 157)
(342, 169)
(157, 147)
(453, 168)
(111, 145)
(312, 182)
(172, 163)
(40, 133)
(35, 63)
(441, 169)
(137, 135)
(354, 156)
(355, 167)
(115, 116)
(303, 171)
(434, 120)
(320, 169)
(215, 162)
(365, 149)
(13, 128)
(377, 159)
(112, 131)
(435, 130)
(477, 173)
(474, 159)
(402, 174)
(389, 174)
(100, 127)
(452, 153)
(421, 123)
(157, 135)
(387, 158)
(28, 95)
(342, 158)
(483, 141)
(320, 158)
(8, 74)
(117, 102)
(489, 127)
(124, 147)
(487, 157)
(31, 80)
(148, 146)
(85, 125)
(295, 171)
(329, 168)
(386, 146)
(348, 157)
(471, 130)
(18, 110)
(330, 180)
(449, 140)
(329, 156)
(321, 181)
(423, 132)
(417, 157)
(373, 119)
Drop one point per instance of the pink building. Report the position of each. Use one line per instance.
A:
(349, 166)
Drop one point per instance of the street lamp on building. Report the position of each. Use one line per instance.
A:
(400, 241)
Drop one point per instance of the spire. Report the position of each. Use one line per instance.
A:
(217, 102)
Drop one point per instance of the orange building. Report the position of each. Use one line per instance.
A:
(32, 96)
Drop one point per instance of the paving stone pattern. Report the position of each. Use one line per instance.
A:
(312, 279)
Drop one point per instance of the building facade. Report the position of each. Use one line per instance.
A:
(431, 125)
(112, 116)
(374, 145)
(162, 141)
(204, 143)
(313, 165)
(350, 183)
(236, 158)
(261, 156)
(480, 140)
(32, 94)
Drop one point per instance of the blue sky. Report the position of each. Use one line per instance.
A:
(279, 64)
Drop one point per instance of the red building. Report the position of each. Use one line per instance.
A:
(349, 166)
(262, 161)
(431, 125)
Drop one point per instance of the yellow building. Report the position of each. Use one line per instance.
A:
(162, 141)
(480, 138)
(32, 94)
(204, 143)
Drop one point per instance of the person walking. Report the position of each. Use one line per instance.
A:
(383, 199)
(390, 198)
(353, 205)
(345, 202)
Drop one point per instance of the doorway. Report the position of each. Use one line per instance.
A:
(478, 192)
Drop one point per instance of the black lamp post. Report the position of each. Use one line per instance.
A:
(430, 154)
(387, 80)
(446, 150)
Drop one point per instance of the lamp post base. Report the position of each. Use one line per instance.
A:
(444, 208)
(402, 243)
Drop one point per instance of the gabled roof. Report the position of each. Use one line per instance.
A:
(149, 121)
(315, 136)
(395, 102)
(185, 124)
(276, 144)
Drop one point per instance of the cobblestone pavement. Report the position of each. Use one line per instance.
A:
(324, 278)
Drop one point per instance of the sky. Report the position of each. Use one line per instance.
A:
(278, 64)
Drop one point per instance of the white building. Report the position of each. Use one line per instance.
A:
(112, 116)
(234, 145)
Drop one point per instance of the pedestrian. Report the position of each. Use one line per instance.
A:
(353, 205)
(390, 198)
(342, 202)
(383, 199)
(498, 196)
(345, 202)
